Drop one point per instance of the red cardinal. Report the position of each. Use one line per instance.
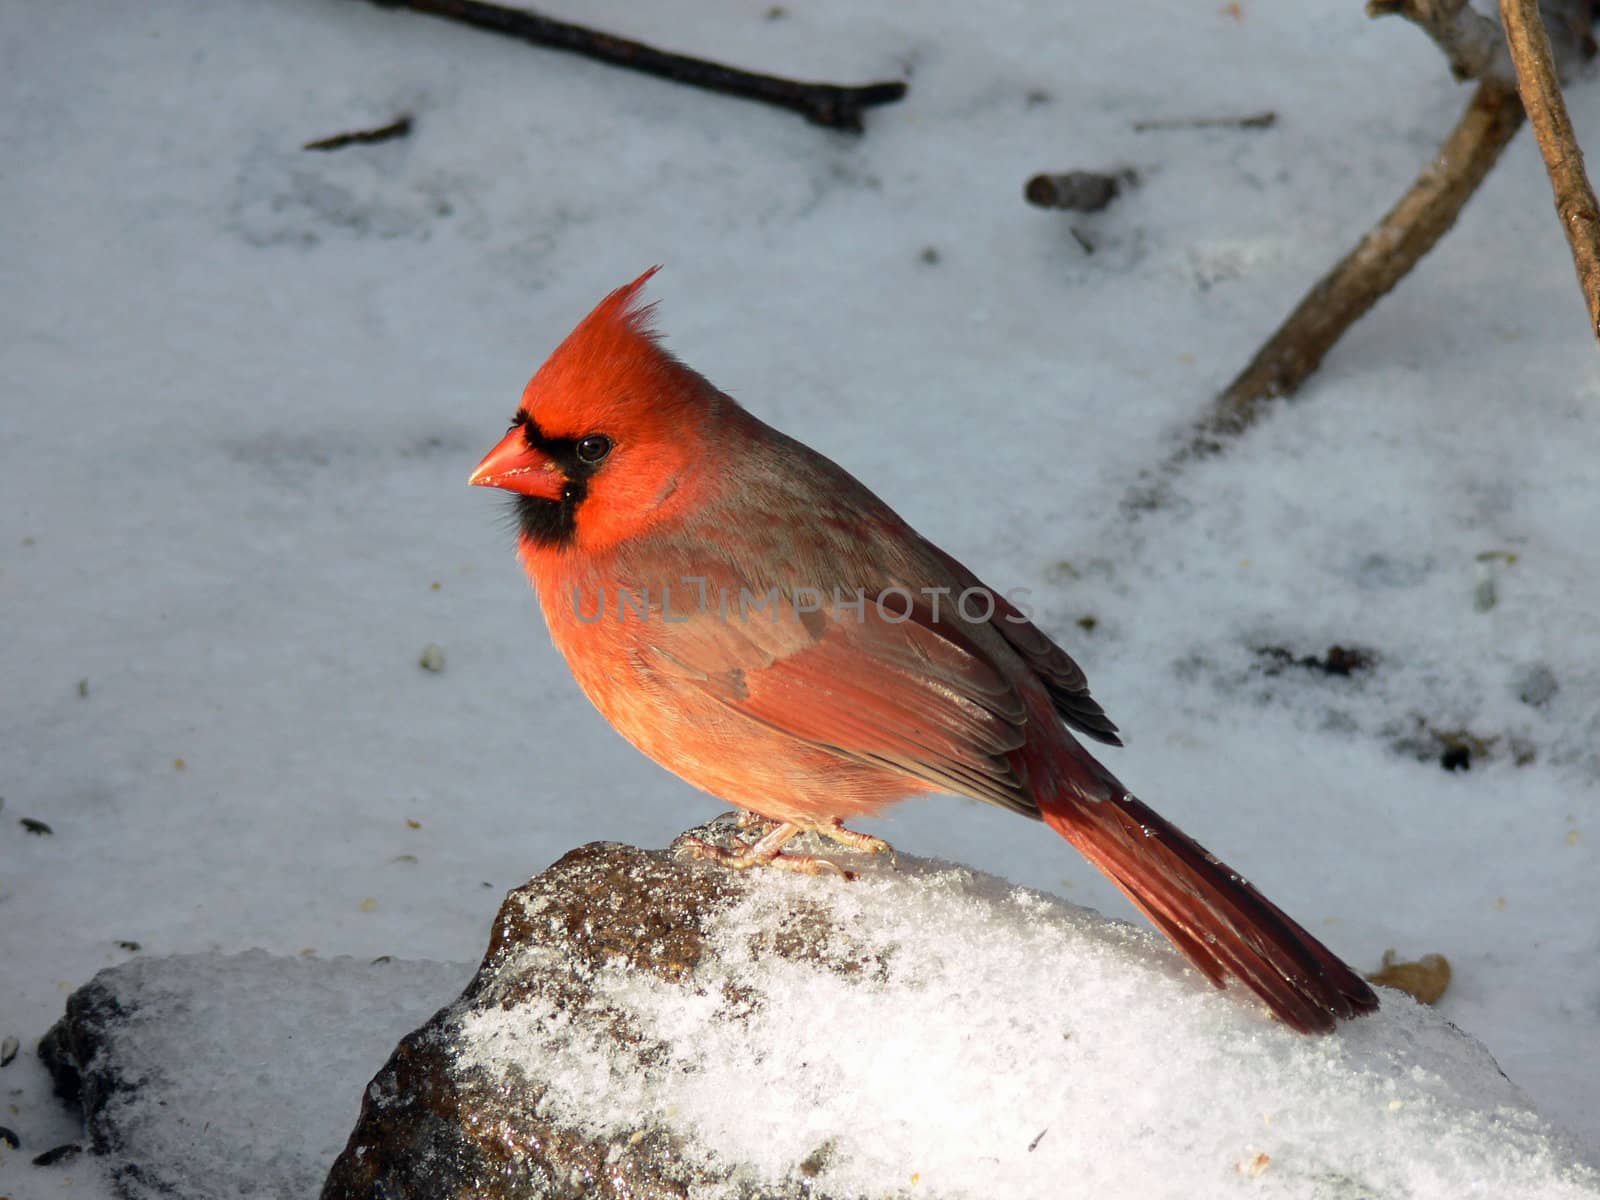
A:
(755, 620)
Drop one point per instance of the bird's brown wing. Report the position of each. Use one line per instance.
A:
(1062, 677)
(910, 695)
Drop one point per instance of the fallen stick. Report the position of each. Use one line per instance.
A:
(836, 106)
(1380, 260)
(1260, 120)
(398, 128)
(1476, 49)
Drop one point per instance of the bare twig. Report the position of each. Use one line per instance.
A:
(1547, 112)
(1409, 230)
(398, 128)
(1381, 259)
(834, 105)
(1260, 120)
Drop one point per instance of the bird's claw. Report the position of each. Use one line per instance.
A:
(864, 842)
(766, 851)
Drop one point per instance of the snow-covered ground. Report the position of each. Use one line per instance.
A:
(243, 385)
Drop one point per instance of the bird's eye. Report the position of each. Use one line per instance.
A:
(594, 448)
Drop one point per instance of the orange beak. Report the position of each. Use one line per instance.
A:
(518, 467)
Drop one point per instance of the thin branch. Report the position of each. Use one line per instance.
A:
(1547, 112)
(834, 105)
(1475, 48)
(1381, 259)
(1260, 120)
(398, 128)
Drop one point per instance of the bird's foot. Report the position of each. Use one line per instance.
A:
(864, 842)
(766, 851)
(749, 820)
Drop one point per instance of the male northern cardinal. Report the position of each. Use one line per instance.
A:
(754, 619)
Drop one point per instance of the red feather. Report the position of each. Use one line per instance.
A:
(828, 705)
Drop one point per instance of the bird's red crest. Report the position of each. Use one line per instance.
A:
(610, 368)
(620, 315)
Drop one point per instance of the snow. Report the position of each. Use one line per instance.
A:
(244, 384)
(249, 1069)
(958, 1037)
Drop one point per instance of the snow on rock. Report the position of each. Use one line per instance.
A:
(649, 1025)
(208, 1075)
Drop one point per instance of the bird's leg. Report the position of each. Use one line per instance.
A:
(765, 851)
(834, 830)
(748, 819)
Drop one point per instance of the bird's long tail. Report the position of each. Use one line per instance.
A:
(1222, 924)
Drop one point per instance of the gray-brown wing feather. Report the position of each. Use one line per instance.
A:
(896, 695)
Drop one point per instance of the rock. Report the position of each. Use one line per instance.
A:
(434, 1125)
(646, 1025)
(211, 1075)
